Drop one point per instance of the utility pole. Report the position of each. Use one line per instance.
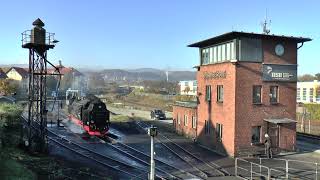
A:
(152, 131)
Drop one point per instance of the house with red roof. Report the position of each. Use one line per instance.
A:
(21, 75)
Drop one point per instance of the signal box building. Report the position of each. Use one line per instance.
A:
(247, 86)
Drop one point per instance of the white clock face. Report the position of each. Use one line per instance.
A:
(279, 49)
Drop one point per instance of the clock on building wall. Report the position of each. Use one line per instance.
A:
(279, 49)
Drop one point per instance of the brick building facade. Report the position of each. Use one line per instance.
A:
(246, 88)
(185, 115)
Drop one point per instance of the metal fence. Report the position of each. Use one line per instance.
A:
(263, 168)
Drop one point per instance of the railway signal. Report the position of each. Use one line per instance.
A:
(152, 132)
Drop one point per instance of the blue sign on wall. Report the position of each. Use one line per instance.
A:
(277, 72)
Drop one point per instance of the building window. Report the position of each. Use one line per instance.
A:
(218, 53)
(274, 94)
(194, 122)
(206, 127)
(304, 94)
(206, 56)
(256, 95)
(208, 93)
(179, 120)
(186, 83)
(219, 131)
(195, 83)
(311, 94)
(228, 52)
(220, 93)
(214, 54)
(210, 55)
(185, 120)
(223, 52)
(255, 134)
(298, 94)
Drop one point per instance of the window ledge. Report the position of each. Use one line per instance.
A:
(256, 144)
(258, 104)
(274, 103)
(220, 102)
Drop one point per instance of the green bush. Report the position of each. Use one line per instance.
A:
(314, 110)
(10, 114)
(9, 117)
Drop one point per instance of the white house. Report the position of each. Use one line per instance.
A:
(308, 92)
(188, 87)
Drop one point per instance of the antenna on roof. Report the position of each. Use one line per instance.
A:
(265, 24)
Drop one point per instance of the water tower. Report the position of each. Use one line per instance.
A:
(38, 41)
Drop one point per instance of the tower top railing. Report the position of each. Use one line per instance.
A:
(27, 38)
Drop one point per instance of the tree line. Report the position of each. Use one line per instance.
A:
(309, 77)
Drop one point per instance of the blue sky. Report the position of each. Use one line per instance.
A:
(150, 33)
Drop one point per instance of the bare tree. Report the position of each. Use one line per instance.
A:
(306, 77)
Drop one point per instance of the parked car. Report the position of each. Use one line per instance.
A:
(157, 114)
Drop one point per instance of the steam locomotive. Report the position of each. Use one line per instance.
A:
(90, 113)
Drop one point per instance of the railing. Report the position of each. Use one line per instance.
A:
(27, 38)
(281, 169)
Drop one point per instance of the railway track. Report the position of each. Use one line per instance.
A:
(132, 172)
(166, 170)
(202, 169)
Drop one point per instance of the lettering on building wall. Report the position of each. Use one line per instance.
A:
(215, 75)
(275, 72)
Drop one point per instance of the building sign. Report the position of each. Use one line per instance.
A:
(276, 72)
(215, 75)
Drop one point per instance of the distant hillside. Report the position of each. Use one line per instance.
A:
(6, 67)
(145, 74)
(129, 75)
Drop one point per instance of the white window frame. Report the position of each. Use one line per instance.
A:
(220, 93)
(215, 54)
(304, 94)
(228, 51)
(219, 54)
(232, 49)
(223, 52)
(194, 122)
(311, 92)
(185, 119)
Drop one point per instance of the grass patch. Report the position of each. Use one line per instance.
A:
(15, 163)
(120, 118)
(12, 169)
(124, 118)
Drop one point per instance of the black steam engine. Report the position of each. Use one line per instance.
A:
(91, 113)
